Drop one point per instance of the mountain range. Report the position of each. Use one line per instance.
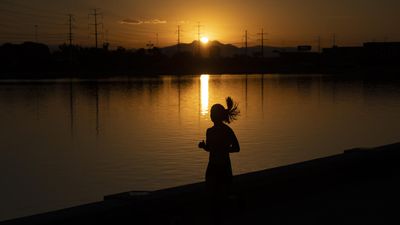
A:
(226, 50)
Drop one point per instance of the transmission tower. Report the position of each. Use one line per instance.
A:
(245, 42)
(198, 37)
(262, 39)
(319, 44)
(95, 15)
(179, 38)
(334, 40)
(157, 41)
(36, 33)
(70, 26)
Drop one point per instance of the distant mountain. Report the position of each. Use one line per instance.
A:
(227, 50)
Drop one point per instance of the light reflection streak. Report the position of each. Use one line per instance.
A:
(204, 93)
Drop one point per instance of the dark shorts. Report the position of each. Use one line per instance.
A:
(218, 175)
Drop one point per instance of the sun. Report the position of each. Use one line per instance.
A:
(204, 40)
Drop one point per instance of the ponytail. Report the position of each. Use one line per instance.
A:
(232, 112)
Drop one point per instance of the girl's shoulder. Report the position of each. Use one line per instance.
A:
(219, 128)
(226, 126)
(210, 129)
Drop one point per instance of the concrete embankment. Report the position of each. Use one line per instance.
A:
(360, 186)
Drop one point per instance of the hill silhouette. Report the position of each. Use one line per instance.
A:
(226, 50)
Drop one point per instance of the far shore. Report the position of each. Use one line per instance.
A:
(367, 72)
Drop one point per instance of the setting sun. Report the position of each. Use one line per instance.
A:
(204, 40)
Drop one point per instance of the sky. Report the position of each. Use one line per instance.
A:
(136, 23)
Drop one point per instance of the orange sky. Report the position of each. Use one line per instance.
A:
(287, 22)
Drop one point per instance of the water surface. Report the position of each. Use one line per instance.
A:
(65, 143)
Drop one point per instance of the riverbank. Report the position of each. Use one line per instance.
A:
(359, 186)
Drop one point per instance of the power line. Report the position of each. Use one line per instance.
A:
(29, 8)
(14, 13)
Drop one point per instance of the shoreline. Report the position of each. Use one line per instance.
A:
(94, 76)
(345, 187)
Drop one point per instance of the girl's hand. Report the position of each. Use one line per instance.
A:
(202, 144)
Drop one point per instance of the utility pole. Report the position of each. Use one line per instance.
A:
(319, 44)
(198, 37)
(198, 31)
(95, 26)
(70, 38)
(262, 41)
(179, 38)
(70, 34)
(245, 43)
(36, 33)
(106, 35)
(157, 40)
(95, 14)
(334, 40)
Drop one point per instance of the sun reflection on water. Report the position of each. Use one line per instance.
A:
(204, 93)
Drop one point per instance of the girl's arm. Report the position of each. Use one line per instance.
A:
(204, 145)
(235, 144)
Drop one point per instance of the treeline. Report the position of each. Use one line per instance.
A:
(36, 60)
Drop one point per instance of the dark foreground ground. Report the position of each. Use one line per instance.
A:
(360, 186)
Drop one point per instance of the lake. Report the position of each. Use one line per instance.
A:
(69, 142)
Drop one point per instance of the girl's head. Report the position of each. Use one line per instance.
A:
(220, 114)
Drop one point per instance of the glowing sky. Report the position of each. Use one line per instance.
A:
(133, 23)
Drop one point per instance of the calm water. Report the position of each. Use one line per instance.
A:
(66, 143)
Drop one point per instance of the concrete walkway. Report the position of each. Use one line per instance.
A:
(360, 186)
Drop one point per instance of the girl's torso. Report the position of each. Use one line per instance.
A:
(219, 141)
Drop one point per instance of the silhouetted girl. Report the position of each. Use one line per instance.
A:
(220, 141)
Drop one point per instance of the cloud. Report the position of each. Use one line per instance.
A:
(155, 21)
(138, 22)
(131, 21)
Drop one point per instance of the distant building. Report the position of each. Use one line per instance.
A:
(342, 56)
(304, 48)
(382, 52)
(302, 56)
(370, 54)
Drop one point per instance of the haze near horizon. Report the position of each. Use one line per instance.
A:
(135, 24)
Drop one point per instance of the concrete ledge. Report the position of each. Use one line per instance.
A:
(334, 189)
